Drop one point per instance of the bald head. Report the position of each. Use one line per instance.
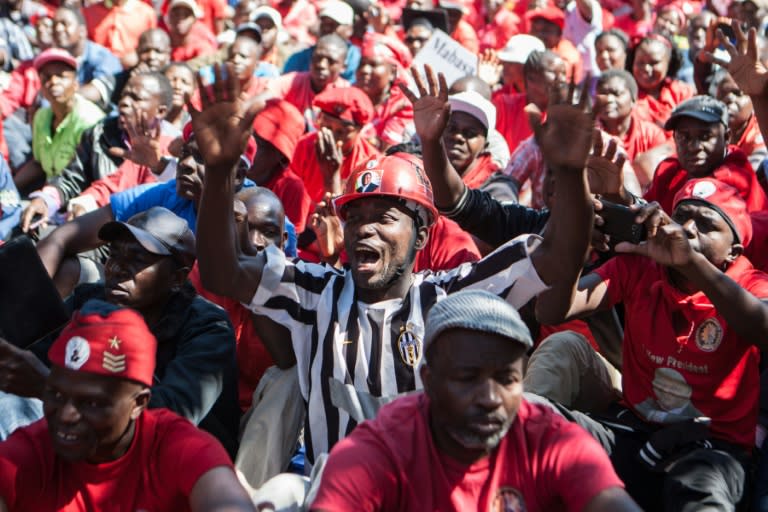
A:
(471, 83)
(333, 41)
(265, 218)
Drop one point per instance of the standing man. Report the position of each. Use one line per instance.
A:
(357, 334)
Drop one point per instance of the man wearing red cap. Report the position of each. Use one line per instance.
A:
(547, 24)
(99, 448)
(696, 320)
(277, 129)
(325, 158)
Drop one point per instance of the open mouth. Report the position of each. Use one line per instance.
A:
(366, 258)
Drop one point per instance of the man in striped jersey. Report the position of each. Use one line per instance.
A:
(356, 333)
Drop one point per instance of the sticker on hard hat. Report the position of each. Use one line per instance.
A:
(368, 181)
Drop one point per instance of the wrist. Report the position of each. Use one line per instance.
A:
(693, 266)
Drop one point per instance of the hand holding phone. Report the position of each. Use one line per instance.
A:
(619, 224)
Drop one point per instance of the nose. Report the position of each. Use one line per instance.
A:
(487, 396)
(258, 240)
(69, 414)
(689, 228)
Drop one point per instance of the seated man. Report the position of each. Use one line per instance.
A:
(99, 448)
(696, 319)
(377, 306)
(470, 440)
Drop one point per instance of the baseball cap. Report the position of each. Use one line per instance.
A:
(187, 3)
(281, 124)
(54, 55)
(159, 231)
(265, 11)
(550, 13)
(349, 104)
(251, 28)
(340, 12)
(722, 198)
(474, 104)
(106, 339)
(704, 108)
(476, 310)
(519, 47)
(435, 18)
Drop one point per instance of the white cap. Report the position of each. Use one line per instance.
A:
(340, 12)
(187, 3)
(519, 47)
(474, 104)
(266, 11)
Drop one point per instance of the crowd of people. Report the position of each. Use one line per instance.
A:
(304, 270)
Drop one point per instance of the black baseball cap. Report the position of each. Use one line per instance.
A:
(704, 108)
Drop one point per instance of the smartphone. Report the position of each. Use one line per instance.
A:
(619, 223)
(728, 32)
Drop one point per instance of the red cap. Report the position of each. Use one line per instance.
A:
(722, 198)
(108, 340)
(347, 103)
(281, 124)
(54, 55)
(550, 13)
(388, 48)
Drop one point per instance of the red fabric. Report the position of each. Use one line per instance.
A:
(495, 34)
(22, 89)
(281, 124)
(511, 120)
(195, 47)
(482, 169)
(466, 36)
(296, 89)
(757, 251)
(392, 463)
(128, 175)
(568, 52)
(293, 194)
(115, 345)
(734, 171)
(298, 17)
(253, 358)
(390, 49)
(349, 104)
(642, 136)
(550, 13)
(305, 164)
(448, 247)
(392, 120)
(671, 94)
(578, 326)
(158, 472)
(211, 10)
(118, 28)
(665, 328)
(752, 139)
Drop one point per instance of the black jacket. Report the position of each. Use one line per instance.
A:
(196, 372)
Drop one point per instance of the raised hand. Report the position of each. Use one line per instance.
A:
(667, 242)
(489, 67)
(745, 67)
(605, 166)
(21, 373)
(224, 124)
(144, 137)
(565, 139)
(329, 158)
(431, 109)
(328, 231)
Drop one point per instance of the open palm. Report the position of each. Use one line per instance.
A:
(431, 109)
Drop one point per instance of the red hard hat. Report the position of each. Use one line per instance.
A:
(399, 176)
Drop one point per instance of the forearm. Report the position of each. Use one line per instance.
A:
(72, 238)
(746, 314)
(447, 185)
(585, 9)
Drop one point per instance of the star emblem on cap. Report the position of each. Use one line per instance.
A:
(114, 343)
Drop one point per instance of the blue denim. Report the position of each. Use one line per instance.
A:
(17, 412)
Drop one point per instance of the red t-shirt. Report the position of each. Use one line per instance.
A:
(253, 358)
(118, 27)
(448, 246)
(680, 358)
(392, 122)
(166, 459)
(757, 250)
(291, 191)
(466, 36)
(495, 35)
(391, 463)
(511, 120)
(304, 162)
(641, 137)
(296, 89)
(735, 171)
(657, 110)
(752, 139)
(484, 167)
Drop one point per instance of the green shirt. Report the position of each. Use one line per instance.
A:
(55, 151)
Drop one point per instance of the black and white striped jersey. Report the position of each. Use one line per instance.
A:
(376, 348)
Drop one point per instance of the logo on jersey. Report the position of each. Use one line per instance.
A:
(76, 352)
(409, 346)
(508, 499)
(709, 335)
(368, 181)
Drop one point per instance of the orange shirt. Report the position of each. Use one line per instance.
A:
(642, 136)
(304, 162)
(572, 58)
(657, 110)
(511, 120)
(751, 140)
(118, 28)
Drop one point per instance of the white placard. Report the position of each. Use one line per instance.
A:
(445, 55)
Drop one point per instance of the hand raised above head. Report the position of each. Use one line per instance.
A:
(225, 122)
(745, 67)
(144, 136)
(605, 166)
(565, 139)
(431, 109)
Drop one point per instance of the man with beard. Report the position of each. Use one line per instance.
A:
(470, 440)
(356, 333)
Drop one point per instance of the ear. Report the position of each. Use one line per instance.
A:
(736, 251)
(141, 402)
(162, 111)
(422, 236)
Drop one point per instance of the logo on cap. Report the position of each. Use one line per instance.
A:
(114, 363)
(703, 189)
(76, 353)
(367, 181)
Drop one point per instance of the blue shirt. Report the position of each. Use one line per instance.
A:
(299, 61)
(10, 202)
(129, 202)
(96, 62)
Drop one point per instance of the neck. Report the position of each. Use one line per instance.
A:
(120, 447)
(618, 127)
(62, 110)
(380, 98)
(77, 50)
(398, 289)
